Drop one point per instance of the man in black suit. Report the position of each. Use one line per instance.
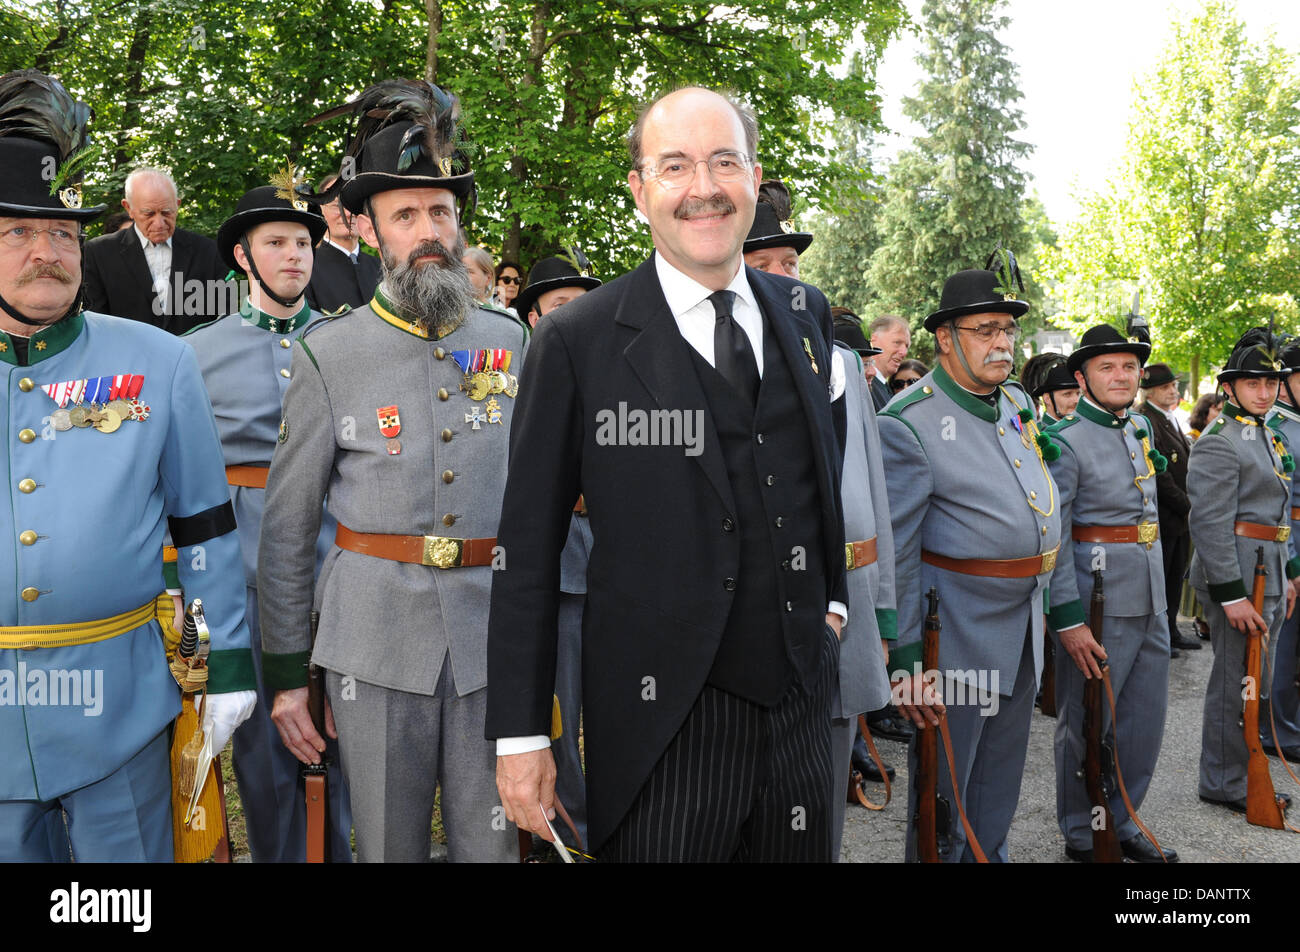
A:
(689, 402)
(155, 272)
(342, 274)
(1160, 395)
(890, 334)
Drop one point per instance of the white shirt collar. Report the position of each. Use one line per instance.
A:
(351, 254)
(1148, 406)
(145, 242)
(684, 293)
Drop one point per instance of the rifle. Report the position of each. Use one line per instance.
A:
(1263, 808)
(316, 776)
(1047, 690)
(1097, 756)
(932, 812)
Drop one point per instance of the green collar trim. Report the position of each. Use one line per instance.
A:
(389, 314)
(1284, 411)
(276, 325)
(963, 397)
(1097, 415)
(46, 342)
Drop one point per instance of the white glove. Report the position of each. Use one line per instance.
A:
(222, 713)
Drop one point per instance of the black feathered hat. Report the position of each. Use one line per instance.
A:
(568, 270)
(1157, 375)
(981, 291)
(1046, 373)
(773, 223)
(1105, 339)
(847, 329)
(1256, 354)
(278, 201)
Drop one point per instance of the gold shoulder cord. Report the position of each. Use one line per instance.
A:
(1277, 446)
(1031, 427)
(1146, 455)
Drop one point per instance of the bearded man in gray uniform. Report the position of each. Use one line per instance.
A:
(975, 516)
(1239, 480)
(1106, 475)
(400, 411)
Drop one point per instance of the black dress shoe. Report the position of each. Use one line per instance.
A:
(864, 763)
(1140, 850)
(1185, 644)
(1292, 753)
(1202, 630)
(1174, 652)
(1239, 806)
(891, 726)
(1079, 856)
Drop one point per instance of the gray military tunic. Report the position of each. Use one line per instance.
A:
(1235, 474)
(966, 480)
(1284, 696)
(1106, 478)
(405, 644)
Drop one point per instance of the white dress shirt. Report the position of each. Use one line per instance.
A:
(159, 259)
(356, 250)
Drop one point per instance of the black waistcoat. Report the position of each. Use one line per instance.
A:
(778, 607)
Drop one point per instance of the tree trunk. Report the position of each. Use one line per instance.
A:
(434, 10)
(132, 94)
(1195, 373)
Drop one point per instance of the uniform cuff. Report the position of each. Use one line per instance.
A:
(231, 670)
(1066, 616)
(1293, 567)
(521, 745)
(285, 672)
(171, 578)
(904, 658)
(887, 622)
(1228, 591)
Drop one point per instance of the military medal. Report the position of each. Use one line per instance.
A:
(78, 417)
(61, 420)
(493, 412)
(475, 417)
(108, 421)
(485, 373)
(102, 402)
(390, 424)
(807, 349)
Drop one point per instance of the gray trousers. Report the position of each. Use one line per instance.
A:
(1223, 746)
(570, 782)
(397, 749)
(1284, 695)
(989, 751)
(1137, 652)
(843, 730)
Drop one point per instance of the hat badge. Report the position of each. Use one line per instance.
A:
(444, 166)
(287, 182)
(787, 226)
(70, 196)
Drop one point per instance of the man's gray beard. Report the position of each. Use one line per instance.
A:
(435, 294)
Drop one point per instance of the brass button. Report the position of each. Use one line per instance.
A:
(31, 594)
(26, 436)
(1150, 544)
(1132, 456)
(1001, 432)
(1044, 530)
(440, 353)
(284, 373)
(26, 385)
(27, 537)
(284, 342)
(927, 391)
(446, 436)
(27, 486)
(1017, 464)
(448, 520)
(1033, 495)
(448, 476)
(443, 394)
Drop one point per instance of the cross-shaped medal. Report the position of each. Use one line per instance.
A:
(475, 417)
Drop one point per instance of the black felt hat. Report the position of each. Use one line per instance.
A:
(378, 169)
(42, 149)
(262, 204)
(1157, 375)
(773, 225)
(1105, 339)
(975, 291)
(1046, 373)
(847, 329)
(1256, 354)
(571, 270)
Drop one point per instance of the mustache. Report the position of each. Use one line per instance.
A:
(998, 355)
(717, 204)
(56, 271)
(426, 248)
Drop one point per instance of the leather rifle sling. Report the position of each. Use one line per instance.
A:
(526, 838)
(221, 852)
(1272, 723)
(973, 843)
(880, 765)
(317, 794)
(1263, 807)
(1119, 774)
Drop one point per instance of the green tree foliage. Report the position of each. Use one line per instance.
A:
(957, 193)
(1204, 213)
(548, 89)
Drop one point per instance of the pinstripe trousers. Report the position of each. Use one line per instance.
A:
(741, 782)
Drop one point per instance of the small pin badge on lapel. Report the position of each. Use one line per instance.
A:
(807, 349)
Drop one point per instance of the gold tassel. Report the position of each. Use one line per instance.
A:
(195, 842)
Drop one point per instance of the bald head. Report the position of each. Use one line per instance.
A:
(152, 203)
(688, 97)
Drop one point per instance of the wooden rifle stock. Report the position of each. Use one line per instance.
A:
(1105, 840)
(316, 776)
(1047, 690)
(927, 747)
(1262, 805)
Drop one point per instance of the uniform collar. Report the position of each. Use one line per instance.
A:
(1286, 411)
(46, 342)
(277, 325)
(1090, 411)
(968, 401)
(389, 314)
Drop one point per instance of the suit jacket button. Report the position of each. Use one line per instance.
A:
(446, 436)
(729, 584)
(728, 525)
(771, 480)
(759, 437)
(449, 520)
(786, 565)
(779, 521)
(789, 606)
(31, 594)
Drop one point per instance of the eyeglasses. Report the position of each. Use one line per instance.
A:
(677, 172)
(505, 280)
(986, 332)
(20, 236)
(903, 383)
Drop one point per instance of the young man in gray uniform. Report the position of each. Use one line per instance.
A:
(399, 411)
(975, 516)
(1239, 480)
(1106, 475)
(244, 358)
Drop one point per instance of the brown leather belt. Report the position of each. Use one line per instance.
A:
(1295, 513)
(437, 551)
(580, 507)
(995, 568)
(252, 477)
(859, 554)
(1146, 532)
(1253, 530)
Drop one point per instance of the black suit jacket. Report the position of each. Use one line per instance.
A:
(1171, 485)
(656, 603)
(880, 392)
(335, 282)
(117, 280)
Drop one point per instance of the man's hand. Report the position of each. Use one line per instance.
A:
(1081, 646)
(178, 618)
(884, 646)
(1243, 617)
(1290, 600)
(835, 621)
(296, 729)
(919, 698)
(523, 781)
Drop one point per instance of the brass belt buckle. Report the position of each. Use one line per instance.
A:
(848, 557)
(441, 552)
(1148, 532)
(1283, 533)
(1049, 561)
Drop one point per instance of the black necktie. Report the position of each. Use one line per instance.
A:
(732, 355)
